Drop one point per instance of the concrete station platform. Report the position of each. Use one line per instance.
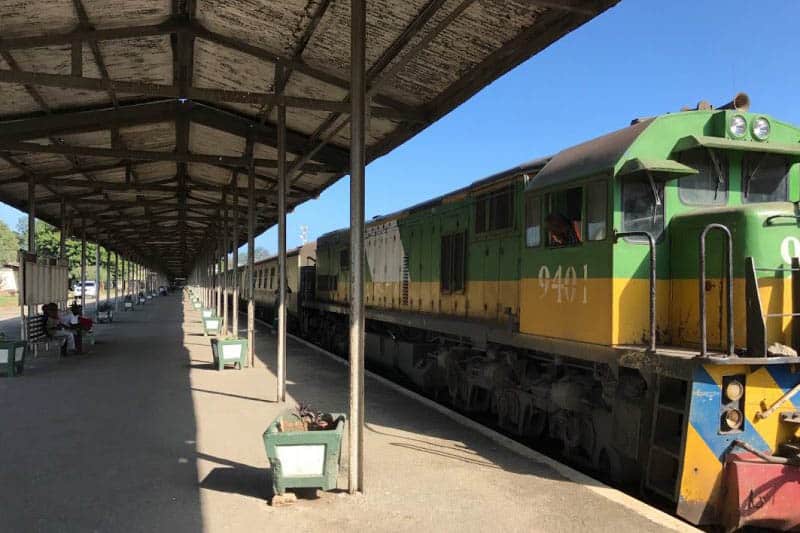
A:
(144, 435)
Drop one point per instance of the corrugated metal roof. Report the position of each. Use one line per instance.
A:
(137, 113)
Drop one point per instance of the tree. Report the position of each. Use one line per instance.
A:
(260, 253)
(9, 245)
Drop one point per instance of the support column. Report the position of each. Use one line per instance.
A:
(116, 282)
(96, 278)
(218, 273)
(251, 229)
(122, 280)
(108, 276)
(235, 246)
(281, 251)
(224, 241)
(31, 242)
(357, 164)
(83, 264)
(62, 239)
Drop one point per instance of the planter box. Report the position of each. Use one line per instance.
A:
(12, 357)
(212, 325)
(105, 316)
(207, 313)
(229, 352)
(304, 458)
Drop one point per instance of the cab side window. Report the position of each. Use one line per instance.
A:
(643, 207)
(765, 178)
(596, 209)
(564, 217)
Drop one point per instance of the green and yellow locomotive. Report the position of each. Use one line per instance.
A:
(634, 297)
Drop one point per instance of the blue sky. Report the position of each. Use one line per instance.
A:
(641, 58)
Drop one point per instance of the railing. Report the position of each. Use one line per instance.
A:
(652, 244)
(756, 319)
(702, 287)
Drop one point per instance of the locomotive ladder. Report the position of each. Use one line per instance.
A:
(667, 437)
(756, 318)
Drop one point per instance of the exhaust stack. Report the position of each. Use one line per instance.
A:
(740, 102)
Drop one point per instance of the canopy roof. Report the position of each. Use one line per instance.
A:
(138, 118)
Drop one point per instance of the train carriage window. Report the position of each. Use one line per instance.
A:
(596, 209)
(533, 221)
(452, 266)
(710, 185)
(344, 260)
(272, 278)
(564, 217)
(765, 178)
(643, 207)
(494, 211)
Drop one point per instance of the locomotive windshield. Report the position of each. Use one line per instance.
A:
(765, 178)
(643, 207)
(710, 185)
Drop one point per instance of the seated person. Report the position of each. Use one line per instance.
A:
(56, 329)
(561, 230)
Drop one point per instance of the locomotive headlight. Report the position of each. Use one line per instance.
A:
(734, 390)
(738, 126)
(734, 418)
(761, 128)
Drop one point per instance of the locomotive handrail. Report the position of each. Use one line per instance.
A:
(652, 245)
(769, 219)
(702, 287)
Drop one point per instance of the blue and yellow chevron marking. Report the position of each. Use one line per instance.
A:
(705, 446)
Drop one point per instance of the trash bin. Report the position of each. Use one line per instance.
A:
(307, 458)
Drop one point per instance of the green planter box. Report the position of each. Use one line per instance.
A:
(212, 325)
(229, 352)
(207, 313)
(12, 357)
(304, 458)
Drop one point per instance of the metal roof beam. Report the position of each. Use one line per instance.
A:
(91, 34)
(145, 155)
(64, 81)
(93, 120)
(584, 7)
(264, 133)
